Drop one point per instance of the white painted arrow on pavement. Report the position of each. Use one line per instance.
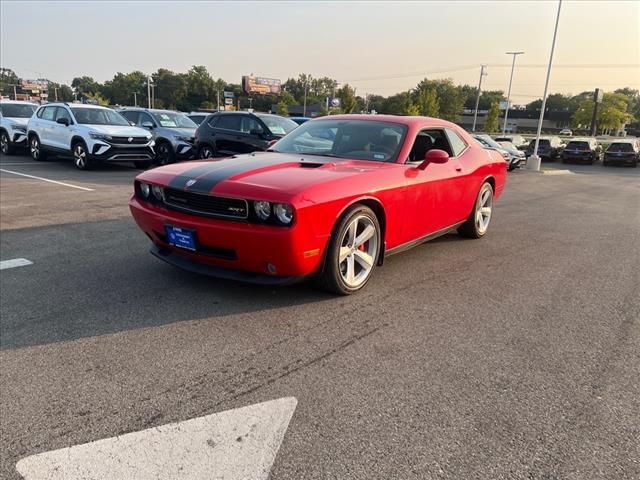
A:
(232, 445)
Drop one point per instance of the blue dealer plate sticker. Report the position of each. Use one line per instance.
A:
(180, 237)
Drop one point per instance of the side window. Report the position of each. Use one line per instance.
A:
(426, 140)
(229, 122)
(144, 118)
(62, 112)
(250, 124)
(213, 121)
(49, 113)
(457, 144)
(40, 112)
(131, 116)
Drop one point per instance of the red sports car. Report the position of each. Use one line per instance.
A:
(331, 200)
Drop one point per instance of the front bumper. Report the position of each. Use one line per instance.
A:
(184, 151)
(281, 253)
(122, 154)
(19, 139)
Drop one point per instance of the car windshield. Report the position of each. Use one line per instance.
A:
(278, 125)
(620, 147)
(349, 139)
(17, 110)
(174, 120)
(578, 146)
(98, 116)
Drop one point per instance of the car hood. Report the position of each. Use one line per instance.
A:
(119, 130)
(268, 175)
(17, 120)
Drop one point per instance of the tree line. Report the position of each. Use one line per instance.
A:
(197, 89)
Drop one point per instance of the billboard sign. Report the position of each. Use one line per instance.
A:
(227, 94)
(261, 85)
(228, 101)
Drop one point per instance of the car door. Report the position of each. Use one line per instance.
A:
(61, 134)
(228, 134)
(433, 194)
(45, 132)
(147, 122)
(253, 133)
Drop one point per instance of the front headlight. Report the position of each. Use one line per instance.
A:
(262, 209)
(157, 192)
(283, 212)
(18, 127)
(145, 189)
(99, 136)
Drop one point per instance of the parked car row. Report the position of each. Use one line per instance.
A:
(509, 152)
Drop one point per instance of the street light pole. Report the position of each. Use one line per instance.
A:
(475, 112)
(533, 162)
(304, 106)
(148, 92)
(506, 111)
(135, 99)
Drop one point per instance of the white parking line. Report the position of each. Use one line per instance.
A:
(47, 180)
(237, 444)
(16, 262)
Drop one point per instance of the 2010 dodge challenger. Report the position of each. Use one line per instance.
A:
(330, 200)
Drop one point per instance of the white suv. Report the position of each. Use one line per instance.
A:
(14, 116)
(90, 133)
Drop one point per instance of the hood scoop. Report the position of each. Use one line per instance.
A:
(310, 164)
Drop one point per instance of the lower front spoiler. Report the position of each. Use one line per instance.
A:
(180, 261)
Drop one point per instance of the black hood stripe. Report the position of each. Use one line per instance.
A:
(230, 168)
(180, 180)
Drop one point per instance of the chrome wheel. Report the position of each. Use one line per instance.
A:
(4, 143)
(484, 207)
(358, 250)
(206, 152)
(80, 156)
(34, 147)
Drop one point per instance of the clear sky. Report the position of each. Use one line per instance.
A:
(362, 43)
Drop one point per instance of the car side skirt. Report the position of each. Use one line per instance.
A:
(413, 243)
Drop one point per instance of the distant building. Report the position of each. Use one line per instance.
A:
(313, 110)
(521, 121)
(33, 90)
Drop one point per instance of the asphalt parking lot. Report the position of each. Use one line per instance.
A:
(516, 356)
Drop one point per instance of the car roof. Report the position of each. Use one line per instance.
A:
(409, 120)
(75, 105)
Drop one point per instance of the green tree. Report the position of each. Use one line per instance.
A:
(199, 87)
(170, 88)
(282, 109)
(411, 109)
(8, 79)
(450, 97)
(121, 88)
(491, 121)
(65, 93)
(428, 103)
(96, 98)
(347, 96)
(85, 86)
(612, 112)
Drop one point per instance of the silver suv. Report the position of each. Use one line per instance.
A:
(90, 133)
(173, 132)
(14, 116)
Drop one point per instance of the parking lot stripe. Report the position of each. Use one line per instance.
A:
(47, 180)
(232, 445)
(16, 262)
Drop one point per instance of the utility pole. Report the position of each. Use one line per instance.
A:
(304, 105)
(218, 97)
(533, 162)
(148, 91)
(506, 111)
(15, 94)
(153, 96)
(596, 100)
(475, 111)
(55, 90)
(135, 99)
(250, 103)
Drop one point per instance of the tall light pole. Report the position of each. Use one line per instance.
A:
(148, 91)
(475, 111)
(506, 111)
(304, 105)
(135, 99)
(533, 162)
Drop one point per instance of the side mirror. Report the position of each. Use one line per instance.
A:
(147, 125)
(133, 124)
(434, 156)
(63, 121)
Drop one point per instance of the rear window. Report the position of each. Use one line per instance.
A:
(620, 147)
(578, 146)
(17, 110)
(543, 143)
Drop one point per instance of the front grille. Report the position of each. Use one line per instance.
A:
(207, 205)
(125, 140)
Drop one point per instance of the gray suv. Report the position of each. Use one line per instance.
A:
(173, 132)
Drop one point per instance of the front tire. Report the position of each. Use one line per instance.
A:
(81, 158)
(206, 152)
(164, 154)
(5, 144)
(35, 149)
(477, 224)
(352, 253)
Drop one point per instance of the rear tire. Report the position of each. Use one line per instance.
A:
(477, 224)
(5, 144)
(353, 251)
(35, 149)
(81, 157)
